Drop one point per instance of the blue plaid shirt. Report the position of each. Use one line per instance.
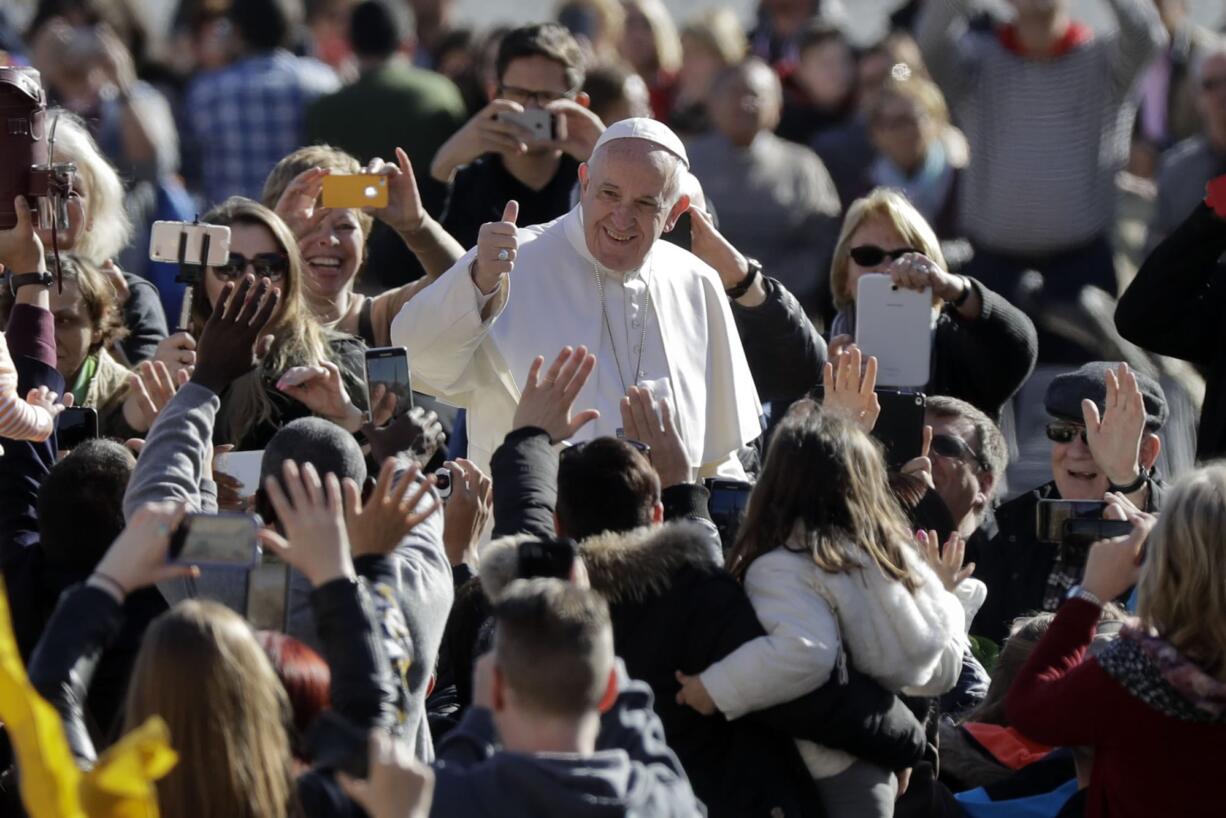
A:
(247, 116)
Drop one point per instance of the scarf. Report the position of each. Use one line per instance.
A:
(927, 189)
(1153, 670)
(1076, 35)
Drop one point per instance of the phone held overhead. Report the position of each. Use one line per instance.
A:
(355, 190)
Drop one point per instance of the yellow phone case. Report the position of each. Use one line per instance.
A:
(356, 190)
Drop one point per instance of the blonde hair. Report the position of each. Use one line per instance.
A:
(298, 339)
(824, 490)
(895, 208)
(720, 32)
(1182, 594)
(201, 669)
(663, 32)
(107, 228)
(913, 88)
(303, 159)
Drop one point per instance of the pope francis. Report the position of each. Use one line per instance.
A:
(599, 276)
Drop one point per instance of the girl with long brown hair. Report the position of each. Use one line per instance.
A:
(829, 564)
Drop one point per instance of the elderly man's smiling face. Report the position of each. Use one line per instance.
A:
(629, 192)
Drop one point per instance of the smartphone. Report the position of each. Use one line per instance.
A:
(243, 467)
(539, 123)
(183, 242)
(355, 190)
(227, 540)
(895, 325)
(389, 367)
(442, 483)
(900, 426)
(337, 744)
(75, 426)
(1082, 531)
(268, 595)
(545, 558)
(727, 504)
(1051, 517)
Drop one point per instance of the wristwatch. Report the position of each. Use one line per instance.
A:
(755, 270)
(1142, 478)
(1077, 592)
(18, 280)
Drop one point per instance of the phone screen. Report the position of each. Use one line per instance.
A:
(727, 504)
(75, 426)
(387, 370)
(1052, 515)
(215, 539)
(268, 596)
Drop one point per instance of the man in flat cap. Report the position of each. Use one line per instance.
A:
(1103, 433)
(654, 315)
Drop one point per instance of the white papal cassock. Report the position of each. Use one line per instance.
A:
(692, 353)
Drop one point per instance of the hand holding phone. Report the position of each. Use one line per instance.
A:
(390, 390)
(357, 190)
(225, 540)
(895, 326)
(183, 243)
(540, 124)
(74, 426)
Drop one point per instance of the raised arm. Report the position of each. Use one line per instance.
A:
(942, 35)
(1141, 35)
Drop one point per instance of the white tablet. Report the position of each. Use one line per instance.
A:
(895, 326)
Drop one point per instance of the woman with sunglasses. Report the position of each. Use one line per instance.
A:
(983, 348)
(307, 369)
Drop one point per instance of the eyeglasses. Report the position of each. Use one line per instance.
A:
(1065, 432)
(538, 98)
(870, 255)
(956, 448)
(273, 266)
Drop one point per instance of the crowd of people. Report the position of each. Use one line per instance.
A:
(662, 527)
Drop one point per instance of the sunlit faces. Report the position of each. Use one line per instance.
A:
(879, 232)
(333, 254)
(625, 209)
(74, 331)
(249, 241)
(900, 131)
(1077, 475)
(956, 479)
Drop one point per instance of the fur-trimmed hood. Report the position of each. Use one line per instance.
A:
(637, 565)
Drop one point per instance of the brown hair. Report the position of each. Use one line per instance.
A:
(553, 643)
(99, 297)
(549, 40)
(1181, 593)
(823, 490)
(298, 340)
(201, 669)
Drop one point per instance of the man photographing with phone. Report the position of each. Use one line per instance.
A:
(1103, 432)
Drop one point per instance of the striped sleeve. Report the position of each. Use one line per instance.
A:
(18, 419)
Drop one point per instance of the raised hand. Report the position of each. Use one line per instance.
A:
(43, 398)
(150, 388)
(711, 247)
(1115, 439)
(1114, 565)
(378, 525)
(233, 338)
(577, 128)
(138, 557)
(915, 271)
(665, 449)
(487, 132)
(849, 392)
(693, 693)
(497, 244)
(20, 248)
(468, 509)
(176, 352)
(417, 433)
(298, 205)
(404, 212)
(321, 390)
(310, 513)
(947, 562)
(921, 466)
(398, 786)
(547, 403)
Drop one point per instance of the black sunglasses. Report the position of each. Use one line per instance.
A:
(265, 265)
(1065, 432)
(956, 448)
(870, 255)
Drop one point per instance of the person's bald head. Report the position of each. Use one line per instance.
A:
(745, 100)
(630, 190)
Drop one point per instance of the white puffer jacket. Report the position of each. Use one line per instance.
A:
(909, 642)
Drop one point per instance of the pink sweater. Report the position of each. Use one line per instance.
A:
(19, 420)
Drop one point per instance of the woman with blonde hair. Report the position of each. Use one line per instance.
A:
(983, 348)
(1152, 704)
(828, 561)
(710, 43)
(652, 47)
(307, 369)
(99, 230)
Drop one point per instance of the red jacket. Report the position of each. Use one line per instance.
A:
(1146, 763)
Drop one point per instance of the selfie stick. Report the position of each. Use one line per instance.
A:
(189, 274)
